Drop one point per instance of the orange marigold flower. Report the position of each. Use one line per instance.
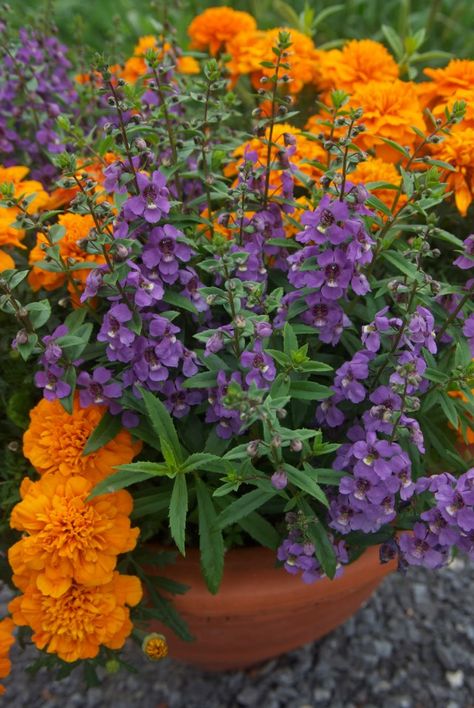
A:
(55, 440)
(6, 640)
(376, 170)
(249, 49)
(76, 624)
(360, 61)
(390, 109)
(458, 150)
(69, 539)
(136, 67)
(216, 26)
(306, 151)
(10, 236)
(458, 75)
(77, 228)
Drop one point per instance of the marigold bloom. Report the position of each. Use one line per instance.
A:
(69, 539)
(376, 170)
(77, 228)
(6, 640)
(136, 66)
(458, 150)
(360, 61)
(457, 76)
(155, 646)
(10, 236)
(390, 109)
(77, 623)
(249, 49)
(55, 440)
(306, 150)
(216, 26)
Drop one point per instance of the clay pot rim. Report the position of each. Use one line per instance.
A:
(251, 575)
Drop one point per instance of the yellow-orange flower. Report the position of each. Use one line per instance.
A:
(458, 150)
(77, 227)
(69, 539)
(6, 640)
(457, 76)
(77, 623)
(216, 26)
(376, 170)
(390, 109)
(360, 61)
(136, 67)
(306, 150)
(248, 49)
(55, 440)
(9, 235)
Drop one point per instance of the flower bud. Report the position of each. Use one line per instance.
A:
(155, 646)
(252, 448)
(296, 445)
(279, 479)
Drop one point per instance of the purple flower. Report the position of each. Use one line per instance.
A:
(147, 291)
(347, 381)
(373, 455)
(466, 260)
(97, 389)
(118, 337)
(468, 331)
(53, 352)
(52, 384)
(262, 368)
(164, 252)
(335, 274)
(326, 223)
(420, 331)
(421, 547)
(178, 399)
(152, 201)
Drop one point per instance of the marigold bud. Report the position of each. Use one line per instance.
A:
(155, 646)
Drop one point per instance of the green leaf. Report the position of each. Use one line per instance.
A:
(394, 41)
(290, 341)
(106, 431)
(202, 461)
(206, 379)
(150, 504)
(310, 391)
(449, 409)
(163, 426)
(319, 536)
(211, 542)
(395, 146)
(400, 263)
(303, 480)
(244, 506)
(180, 301)
(178, 512)
(39, 312)
(127, 475)
(260, 530)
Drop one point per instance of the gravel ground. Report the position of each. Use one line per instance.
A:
(411, 646)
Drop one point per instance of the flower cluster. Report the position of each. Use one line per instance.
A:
(34, 88)
(279, 321)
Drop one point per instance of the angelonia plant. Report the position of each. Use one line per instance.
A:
(221, 329)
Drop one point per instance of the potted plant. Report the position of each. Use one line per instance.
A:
(253, 340)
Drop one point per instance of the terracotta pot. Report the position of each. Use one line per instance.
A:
(260, 610)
